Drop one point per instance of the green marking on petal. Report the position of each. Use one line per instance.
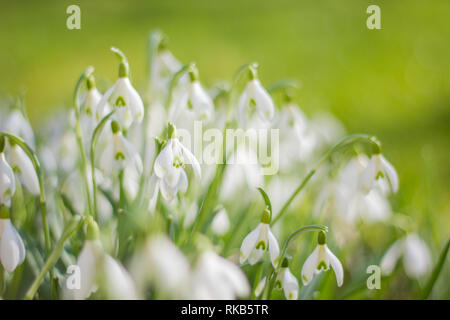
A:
(380, 174)
(190, 106)
(261, 245)
(322, 265)
(252, 103)
(304, 278)
(119, 156)
(120, 102)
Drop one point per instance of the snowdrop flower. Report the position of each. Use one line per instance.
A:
(163, 264)
(285, 280)
(257, 242)
(378, 167)
(18, 125)
(416, 256)
(119, 153)
(220, 223)
(169, 166)
(255, 97)
(123, 97)
(99, 269)
(195, 99)
(217, 278)
(7, 179)
(24, 168)
(12, 250)
(90, 113)
(320, 260)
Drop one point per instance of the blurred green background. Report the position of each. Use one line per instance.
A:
(394, 82)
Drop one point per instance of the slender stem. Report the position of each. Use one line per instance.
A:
(69, 230)
(79, 137)
(343, 142)
(95, 135)
(257, 279)
(37, 167)
(437, 270)
(271, 279)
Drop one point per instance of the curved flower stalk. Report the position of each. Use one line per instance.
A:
(123, 97)
(18, 125)
(320, 260)
(416, 256)
(378, 167)
(217, 278)
(100, 271)
(23, 167)
(193, 98)
(169, 175)
(12, 250)
(119, 153)
(256, 97)
(260, 240)
(285, 280)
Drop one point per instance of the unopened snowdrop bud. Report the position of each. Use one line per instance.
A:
(119, 153)
(90, 106)
(12, 250)
(24, 168)
(218, 278)
(377, 168)
(18, 125)
(7, 179)
(169, 166)
(255, 97)
(320, 260)
(416, 256)
(123, 97)
(220, 223)
(260, 240)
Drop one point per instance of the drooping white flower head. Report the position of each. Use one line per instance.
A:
(220, 223)
(218, 278)
(194, 99)
(416, 256)
(123, 98)
(285, 280)
(259, 241)
(320, 260)
(7, 179)
(256, 97)
(169, 166)
(12, 250)
(24, 168)
(100, 271)
(378, 167)
(119, 153)
(161, 263)
(90, 113)
(18, 125)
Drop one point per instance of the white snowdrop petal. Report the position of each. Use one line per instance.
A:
(309, 267)
(7, 181)
(417, 256)
(290, 285)
(119, 284)
(274, 249)
(368, 175)
(391, 257)
(249, 244)
(264, 103)
(164, 161)
(336, 266)
(391, 174)
(12, 250)
(27, 172)
(260, 287)
(189, 158)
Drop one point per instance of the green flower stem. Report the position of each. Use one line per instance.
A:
(257, 279)
(95, 135)
(69, 230)
(270, 280)
(436, 271)
(37, 167)
(79, 137)
(343, 142)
